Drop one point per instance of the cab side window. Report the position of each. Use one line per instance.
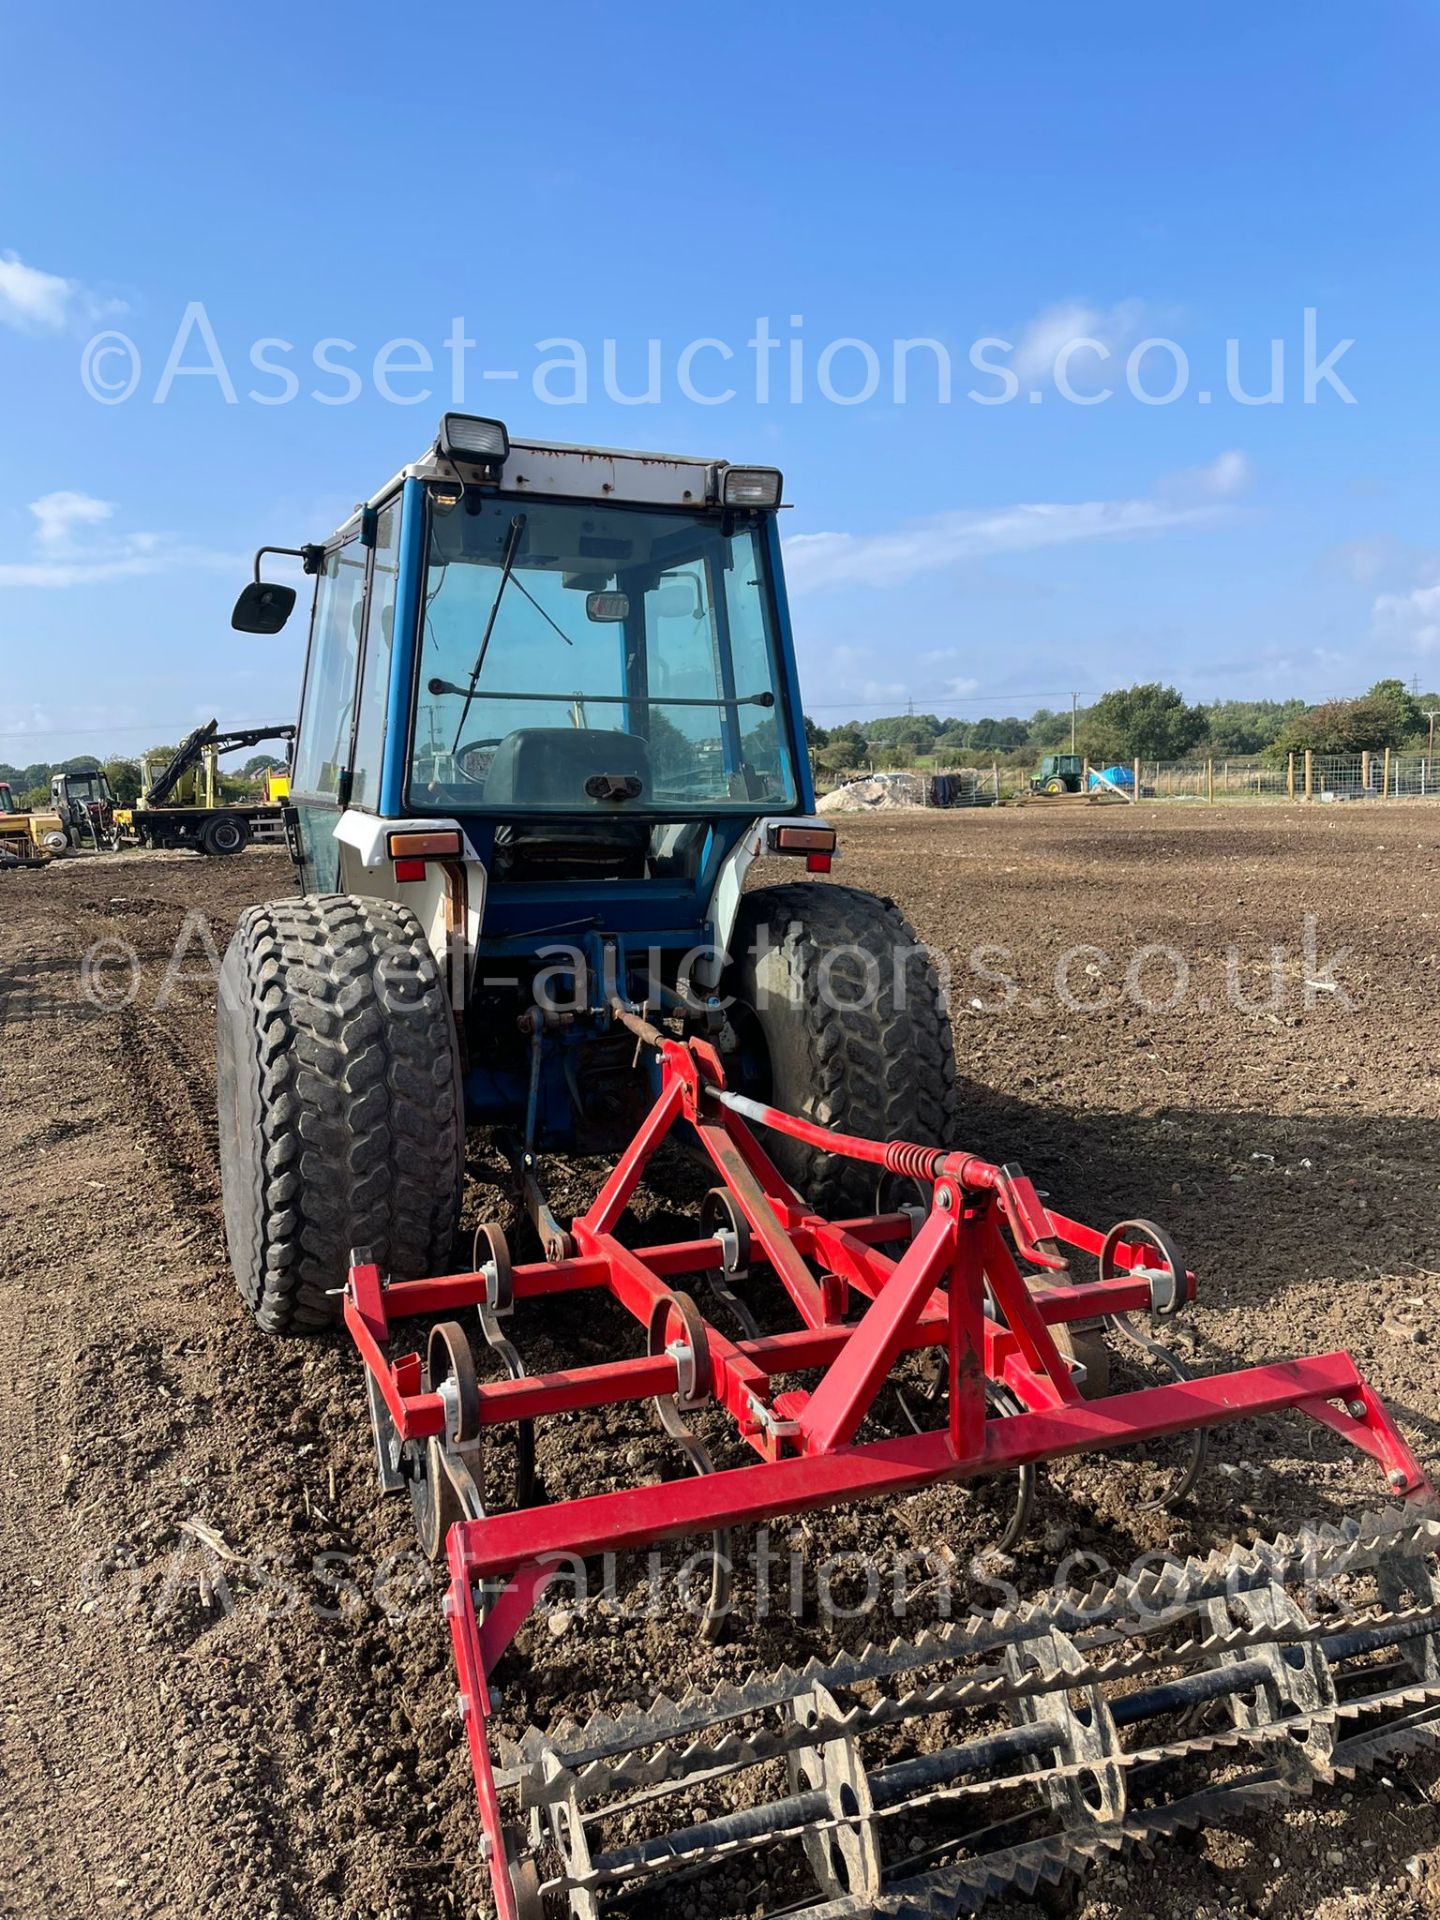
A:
(327, 710)
(375, 672)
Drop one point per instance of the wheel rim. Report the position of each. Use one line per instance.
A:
(751, 1069)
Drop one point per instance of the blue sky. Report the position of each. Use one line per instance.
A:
(940, 173)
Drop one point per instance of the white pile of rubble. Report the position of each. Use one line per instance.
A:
(876, 793)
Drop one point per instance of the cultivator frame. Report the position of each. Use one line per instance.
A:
(981, 1274)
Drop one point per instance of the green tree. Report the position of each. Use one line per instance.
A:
(1396, 699)
(916, 738)
(1247, 726)
(1052, 729)
(886, 732)
(998, 736)
(955, 739)
(1344, 726)
(1148, 722)
(124, 778)
(840, 753)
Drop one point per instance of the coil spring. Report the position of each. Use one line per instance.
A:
(915, 1163)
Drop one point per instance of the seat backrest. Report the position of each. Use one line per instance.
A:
(548, 767)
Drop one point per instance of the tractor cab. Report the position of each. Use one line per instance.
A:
(1059, 773)
(550, 700)
(85, 805)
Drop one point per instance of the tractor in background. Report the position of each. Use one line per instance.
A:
(1059, 773)
(27, 838)
(85, 806)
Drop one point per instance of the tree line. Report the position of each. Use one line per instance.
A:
(1147, 722)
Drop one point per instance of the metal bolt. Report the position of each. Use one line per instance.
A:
(1355, 1409)
(944, 1199)
(1398, 1478)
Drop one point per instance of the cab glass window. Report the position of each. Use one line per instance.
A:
(327, 707)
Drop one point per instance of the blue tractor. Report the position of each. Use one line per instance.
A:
(550, 717)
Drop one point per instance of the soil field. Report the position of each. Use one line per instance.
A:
(225, 1687)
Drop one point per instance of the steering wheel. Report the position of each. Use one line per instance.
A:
(471, 746)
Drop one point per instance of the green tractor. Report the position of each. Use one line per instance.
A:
(1059, 773)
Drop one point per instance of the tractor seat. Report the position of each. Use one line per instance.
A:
(548, 767)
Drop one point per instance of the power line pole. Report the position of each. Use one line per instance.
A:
(1432, 714)
(1074, 703)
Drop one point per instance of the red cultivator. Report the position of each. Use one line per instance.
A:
(880, 1785)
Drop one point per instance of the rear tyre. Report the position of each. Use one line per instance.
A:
(225, 836)
(341, 1117)
(839, 1016)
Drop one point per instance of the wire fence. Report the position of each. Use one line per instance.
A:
(1298, 776)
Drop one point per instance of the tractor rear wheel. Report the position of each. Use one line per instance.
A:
(839, 1016)
(341, 1115)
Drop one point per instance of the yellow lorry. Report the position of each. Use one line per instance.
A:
(180, 803)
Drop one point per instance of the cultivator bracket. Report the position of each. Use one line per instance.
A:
(982, 1277)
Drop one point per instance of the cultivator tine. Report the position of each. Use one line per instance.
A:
(1028, 1744)
(677, 1329)
(490, 1256)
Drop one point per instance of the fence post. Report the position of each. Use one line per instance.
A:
(1290, 775)
(1385, 777)
(1365, 769)
(1309, 773)
(1210, 781)
(1135, 794)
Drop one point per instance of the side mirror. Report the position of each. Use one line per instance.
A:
(263, 608)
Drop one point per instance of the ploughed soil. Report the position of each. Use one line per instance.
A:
(225, 1686)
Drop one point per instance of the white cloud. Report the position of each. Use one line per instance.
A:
(1043, 339)
(1226, 476)
(1363, 560)
(1409, 619)
(819, 560)
(62, 559)
(33, 301)
(60, 513)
